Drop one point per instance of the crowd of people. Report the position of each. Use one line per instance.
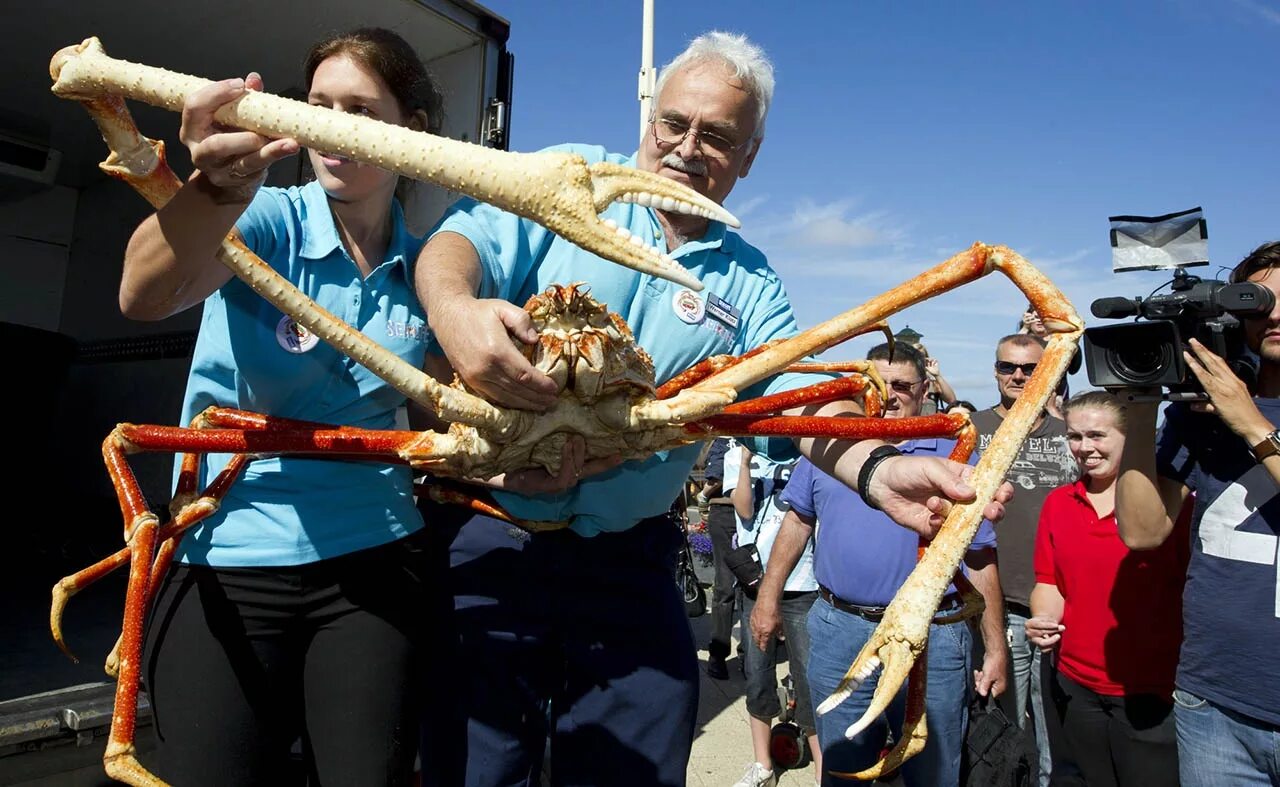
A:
(1123, 559)
(314, 602)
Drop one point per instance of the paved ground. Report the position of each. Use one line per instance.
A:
(722, 742)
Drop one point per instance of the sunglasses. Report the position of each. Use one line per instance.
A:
(902, 386)
(1009, 367)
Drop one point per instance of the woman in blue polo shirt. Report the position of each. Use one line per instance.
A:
(297, 608)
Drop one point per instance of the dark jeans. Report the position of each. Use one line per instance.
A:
(721, 525)
(760, 667)
(1116, 741)
(582, 640)
(240, 662)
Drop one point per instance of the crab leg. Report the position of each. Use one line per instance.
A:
(834, 427)
(557, 190)
(141, 163)
(712, 394)
(717, 363)
(451, 495)
(819, 393)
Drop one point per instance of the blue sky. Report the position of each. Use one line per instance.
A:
(902, 132)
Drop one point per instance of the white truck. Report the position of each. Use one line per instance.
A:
(77, 367)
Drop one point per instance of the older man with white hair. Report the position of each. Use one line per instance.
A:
(580, 634)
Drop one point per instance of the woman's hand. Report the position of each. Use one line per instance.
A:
(1044, 632)
(233, 162)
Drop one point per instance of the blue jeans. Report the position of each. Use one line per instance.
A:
(1024, 659)
(1219, 746)
(835, 637)
(759, 666)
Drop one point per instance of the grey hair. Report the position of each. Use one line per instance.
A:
(749, 63)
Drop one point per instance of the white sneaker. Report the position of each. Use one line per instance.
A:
(756, 776)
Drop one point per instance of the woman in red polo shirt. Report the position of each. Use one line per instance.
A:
(1114, 617)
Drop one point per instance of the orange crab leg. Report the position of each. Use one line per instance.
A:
(718, 363)
(818, 393)
(829, 426)
(170, 533)
(451, 495)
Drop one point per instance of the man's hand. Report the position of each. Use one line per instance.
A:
(574, 466)
(1044, 632)
(476, 335)
(1228, 395)
(931, 367)
(917, 491)
(993, 677)
(766, 622)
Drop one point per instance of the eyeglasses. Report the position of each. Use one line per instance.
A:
(669, 133)
(902, 386)
(1009, 367)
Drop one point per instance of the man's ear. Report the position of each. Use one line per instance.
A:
(419, 121)
(751, 157)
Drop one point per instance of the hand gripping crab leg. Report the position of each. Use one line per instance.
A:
(557, 190)
(141, 163)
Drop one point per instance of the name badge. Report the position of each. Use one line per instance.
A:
(720, 309)
(293, 337)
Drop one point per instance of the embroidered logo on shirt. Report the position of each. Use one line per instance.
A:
(688, 307)
(293, 337)
(408, 330)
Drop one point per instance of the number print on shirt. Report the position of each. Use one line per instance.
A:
(1218, 534)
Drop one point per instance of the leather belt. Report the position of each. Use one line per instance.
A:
(877, 613)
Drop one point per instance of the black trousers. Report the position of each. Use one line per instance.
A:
(721, 524)
(1115, 741)
(240, 662)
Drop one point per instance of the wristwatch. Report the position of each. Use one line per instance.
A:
(1270, 446)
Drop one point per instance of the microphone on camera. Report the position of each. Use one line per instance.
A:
(1114, 308)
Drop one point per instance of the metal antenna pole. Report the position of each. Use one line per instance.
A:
(648, 74)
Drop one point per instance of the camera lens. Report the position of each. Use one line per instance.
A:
(1141, 365)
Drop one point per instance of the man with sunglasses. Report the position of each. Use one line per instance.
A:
(1043, 464)
(586, 621)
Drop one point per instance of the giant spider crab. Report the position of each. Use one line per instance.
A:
(609, 396)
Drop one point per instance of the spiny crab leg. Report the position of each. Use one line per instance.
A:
(141, 163)
(557, 190)
(717, 363)
(903, 632)
(711, 394)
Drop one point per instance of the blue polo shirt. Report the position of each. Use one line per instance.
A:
(861, 555)
(743, 306)
(286, 510)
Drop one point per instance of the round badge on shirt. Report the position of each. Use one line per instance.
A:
(293, 337)
(689, 307)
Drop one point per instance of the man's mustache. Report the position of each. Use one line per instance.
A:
(696, 167)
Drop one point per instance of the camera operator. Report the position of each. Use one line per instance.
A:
(1227, 696)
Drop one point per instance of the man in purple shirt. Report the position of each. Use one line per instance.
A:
(861, 558)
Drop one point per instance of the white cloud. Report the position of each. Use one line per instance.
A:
(1260, 9)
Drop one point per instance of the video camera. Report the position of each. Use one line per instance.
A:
(1149, 354)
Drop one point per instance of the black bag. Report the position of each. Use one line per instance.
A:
(695, 597)
(996, 751)
(746, 566)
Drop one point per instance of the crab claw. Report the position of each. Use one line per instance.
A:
(557, 190)
(914, 733)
